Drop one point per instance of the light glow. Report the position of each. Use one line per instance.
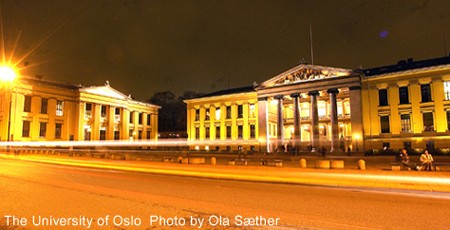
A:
(7, 74)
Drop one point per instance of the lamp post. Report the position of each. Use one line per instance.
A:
(7, 76)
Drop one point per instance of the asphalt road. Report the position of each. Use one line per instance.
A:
(106, 199)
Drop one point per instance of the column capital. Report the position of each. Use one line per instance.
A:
(313, 93)
(333, 91)
(279, 97)
(296, 95)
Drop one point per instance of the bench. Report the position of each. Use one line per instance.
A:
(396, 166)
(276, 162)
(167, 159)
(238, 161)
(435, 166)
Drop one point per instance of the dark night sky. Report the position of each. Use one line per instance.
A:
(146, 46)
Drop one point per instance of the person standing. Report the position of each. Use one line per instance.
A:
(427, 160)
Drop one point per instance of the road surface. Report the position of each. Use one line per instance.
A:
(82, 198)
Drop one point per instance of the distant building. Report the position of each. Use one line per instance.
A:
(310, 106)
(33, 109)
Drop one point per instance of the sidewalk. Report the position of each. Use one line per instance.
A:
(436, 181)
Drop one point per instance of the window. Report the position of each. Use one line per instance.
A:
(405, 121)
(149, 119)
(140, 118)
(140, 132)
(197, 133)
(26, 129)
(217, 132)
(131, 117)
(149, 134)
(403, 95)
(425, 91)
(207, 115)
(59, 108)
(385, 128)
(217, 113)
(383, 97)
(448, 119)
(228, 112)
(252, 131)
(228, 131)
(240, 131)
(447, 90)
(88, 110)
(103, 111)
(428, 122)
(44, 105)
(58, 130)
(407, 145)
(27, 104)
(197, 115)
(116, 135)
(207, 132)
(240, 111)
(43, 129)
(117, 115)
(252, 111)
(103, 133)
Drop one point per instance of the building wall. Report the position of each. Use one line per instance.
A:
(413, 133)
(239, 135)
(68, 116)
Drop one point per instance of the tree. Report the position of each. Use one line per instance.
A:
(172, 115)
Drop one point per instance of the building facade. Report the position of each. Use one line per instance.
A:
(306, 107)
(408, 105)
(310, 107)
(33, 109)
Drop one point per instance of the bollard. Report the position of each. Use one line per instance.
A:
(302, 163)
(361, 165)
(213, 161)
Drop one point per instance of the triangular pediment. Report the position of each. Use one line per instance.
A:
(106, 91)
(305, 73)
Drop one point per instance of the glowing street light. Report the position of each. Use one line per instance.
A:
(7, 74)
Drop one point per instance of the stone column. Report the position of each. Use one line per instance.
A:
(356, 118)
(280, 122)
(334, 120)
(262, 124)
(314, 121)
(297, 134)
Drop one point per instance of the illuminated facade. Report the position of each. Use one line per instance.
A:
(33, 109)
(306, 107)
(408, 105)
(309, 107)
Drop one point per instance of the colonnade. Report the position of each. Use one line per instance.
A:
(355, 111)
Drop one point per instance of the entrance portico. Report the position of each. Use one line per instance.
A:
(309, 107)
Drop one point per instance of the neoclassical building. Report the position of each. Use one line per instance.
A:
(310, 106)
(305, 107)
(33, 109)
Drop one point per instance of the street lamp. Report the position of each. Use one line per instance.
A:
(7, 75)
